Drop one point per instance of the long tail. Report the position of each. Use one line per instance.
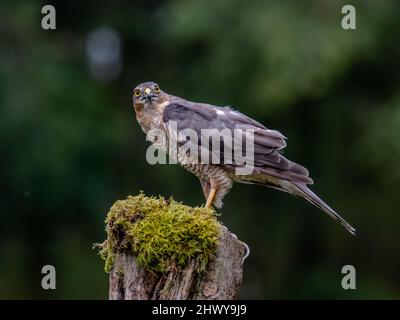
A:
(302, 190)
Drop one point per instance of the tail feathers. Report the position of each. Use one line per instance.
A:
(303, 191)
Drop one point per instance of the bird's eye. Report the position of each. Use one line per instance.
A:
(157, 89)
(137, 93)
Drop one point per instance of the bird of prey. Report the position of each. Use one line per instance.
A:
(155, 109)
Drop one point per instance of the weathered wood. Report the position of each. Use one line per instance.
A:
(220, 280)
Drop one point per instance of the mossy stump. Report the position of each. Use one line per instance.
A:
(159, 249)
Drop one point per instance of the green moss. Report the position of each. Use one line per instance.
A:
(162, 234)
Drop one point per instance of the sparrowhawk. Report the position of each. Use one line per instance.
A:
(155, 109)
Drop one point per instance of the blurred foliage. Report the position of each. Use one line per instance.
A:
(70, 145)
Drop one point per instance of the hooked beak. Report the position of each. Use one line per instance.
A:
(148, 95)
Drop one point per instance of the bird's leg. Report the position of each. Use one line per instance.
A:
(212, 193)
(210, 198)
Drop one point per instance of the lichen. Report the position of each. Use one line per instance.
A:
(162, 234)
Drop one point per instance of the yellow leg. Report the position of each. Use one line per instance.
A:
(211, 197)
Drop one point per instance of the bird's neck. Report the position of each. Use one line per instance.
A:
(149, 116)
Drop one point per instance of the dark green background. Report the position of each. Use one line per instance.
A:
(70, 144)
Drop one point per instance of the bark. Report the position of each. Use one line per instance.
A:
(221, 279)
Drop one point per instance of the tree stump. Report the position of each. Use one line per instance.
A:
(160, 249)
(221, 280)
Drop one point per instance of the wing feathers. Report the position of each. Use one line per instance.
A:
(271, 168)
(267, 143)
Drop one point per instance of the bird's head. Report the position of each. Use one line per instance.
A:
(148, 94)
(149, 102)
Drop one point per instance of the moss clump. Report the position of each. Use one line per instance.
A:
(161, 233)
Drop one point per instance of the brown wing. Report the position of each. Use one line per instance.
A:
(267, 146)
(267, 143)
